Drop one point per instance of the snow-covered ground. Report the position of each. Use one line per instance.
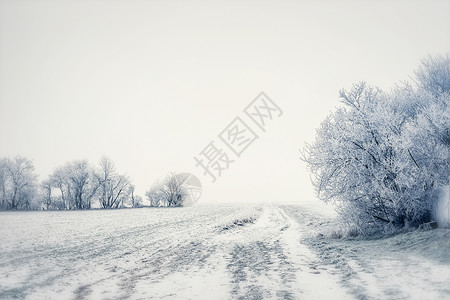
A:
(260, 252)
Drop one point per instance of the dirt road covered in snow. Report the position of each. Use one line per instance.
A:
(263, 252)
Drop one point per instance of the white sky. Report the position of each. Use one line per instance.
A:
(151, 83)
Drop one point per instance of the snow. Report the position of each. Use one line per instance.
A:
(256, 252)
(411, 265)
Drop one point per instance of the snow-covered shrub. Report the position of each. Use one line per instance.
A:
(382, 157)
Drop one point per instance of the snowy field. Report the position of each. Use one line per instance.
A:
(261, 252)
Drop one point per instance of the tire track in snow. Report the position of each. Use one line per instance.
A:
(268, 261)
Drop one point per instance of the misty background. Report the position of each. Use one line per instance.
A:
(151, 83)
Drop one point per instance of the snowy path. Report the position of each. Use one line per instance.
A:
(267, 260)
(267, 252)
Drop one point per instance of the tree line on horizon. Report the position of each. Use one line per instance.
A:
(78, 185)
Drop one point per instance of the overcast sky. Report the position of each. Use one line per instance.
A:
(151, 83)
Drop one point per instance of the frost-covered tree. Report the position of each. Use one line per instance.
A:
(381, 157)
(434, 75)
(3, 204)
(136, 200)
(18, 183)
(155, 196)
(60, 181)
(114, 189)
(46, 191)
(170, 192)
(76, 184)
